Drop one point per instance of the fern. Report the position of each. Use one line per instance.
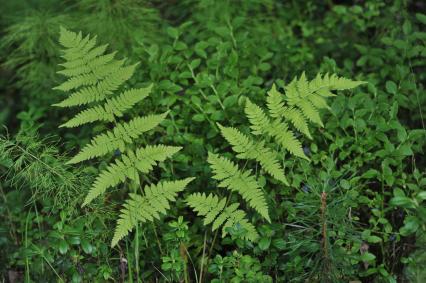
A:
(299, 106)
(242, 182)
(214, 211)
(217, 211)
(246, 148)
(148, 207)
(93, 78)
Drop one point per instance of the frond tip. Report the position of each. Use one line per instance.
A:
(156, 201)
(242, 182)
(214, 211)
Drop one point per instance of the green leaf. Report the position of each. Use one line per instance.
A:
(198, 117)
(172, 32)
(367, 257)
(421, 195)
(406, 27)
(402, 201)
(391, 87)
(63, 247)
(411, 225)
(264, 243)
(195, 63)
(374, 239)
(421, 18)
(86, 246)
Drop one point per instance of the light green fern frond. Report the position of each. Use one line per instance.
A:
(277, 109)
(259, 121)
(118, 137)
(332, 82)
(146, 208)
(297, 119)
(275, 102)
(99, 92)
(309, 96)
(93, 77)
(128, 167)
(246, 148)
(277, 129)
(286, 138)
(114, 107)
(239, 181)
(214, 211)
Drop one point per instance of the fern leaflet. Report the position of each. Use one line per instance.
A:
(148, 207)
(214, 211)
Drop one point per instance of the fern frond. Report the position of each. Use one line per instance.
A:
(148, 207)
(277, 109)
(246, 148)
(275, 102)
(297, 119)
(68, 38)
(260, 123)
(118, 137)
(310, 112)
(208, 206)
(94, 76)
(309, 96)
(332, 82)
(286, 139)
(114, 107)
(128, 168)
(214, 211)
(101, 90)
(242, 182)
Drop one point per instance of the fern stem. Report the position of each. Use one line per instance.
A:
(324, 228)
(156, 237)
(217, 232)
(136, 251)
(202, 258)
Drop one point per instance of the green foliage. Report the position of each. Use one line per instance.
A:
(239, 88)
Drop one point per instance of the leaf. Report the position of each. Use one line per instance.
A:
(172, 32)
(63, 247)
(411, 225)
(374, 239)
(264, 243)
(367, 257)
(421, 18)
(391, 87)
(421, 195)
(86, 246)
(402, 202)
(198, 117)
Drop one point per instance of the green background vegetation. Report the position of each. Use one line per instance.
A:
(355, 212)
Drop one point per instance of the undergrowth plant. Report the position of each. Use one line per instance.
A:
(271, 136)
(94, 77)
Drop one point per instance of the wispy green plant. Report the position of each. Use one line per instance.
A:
(30, 51)
(34, 163)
